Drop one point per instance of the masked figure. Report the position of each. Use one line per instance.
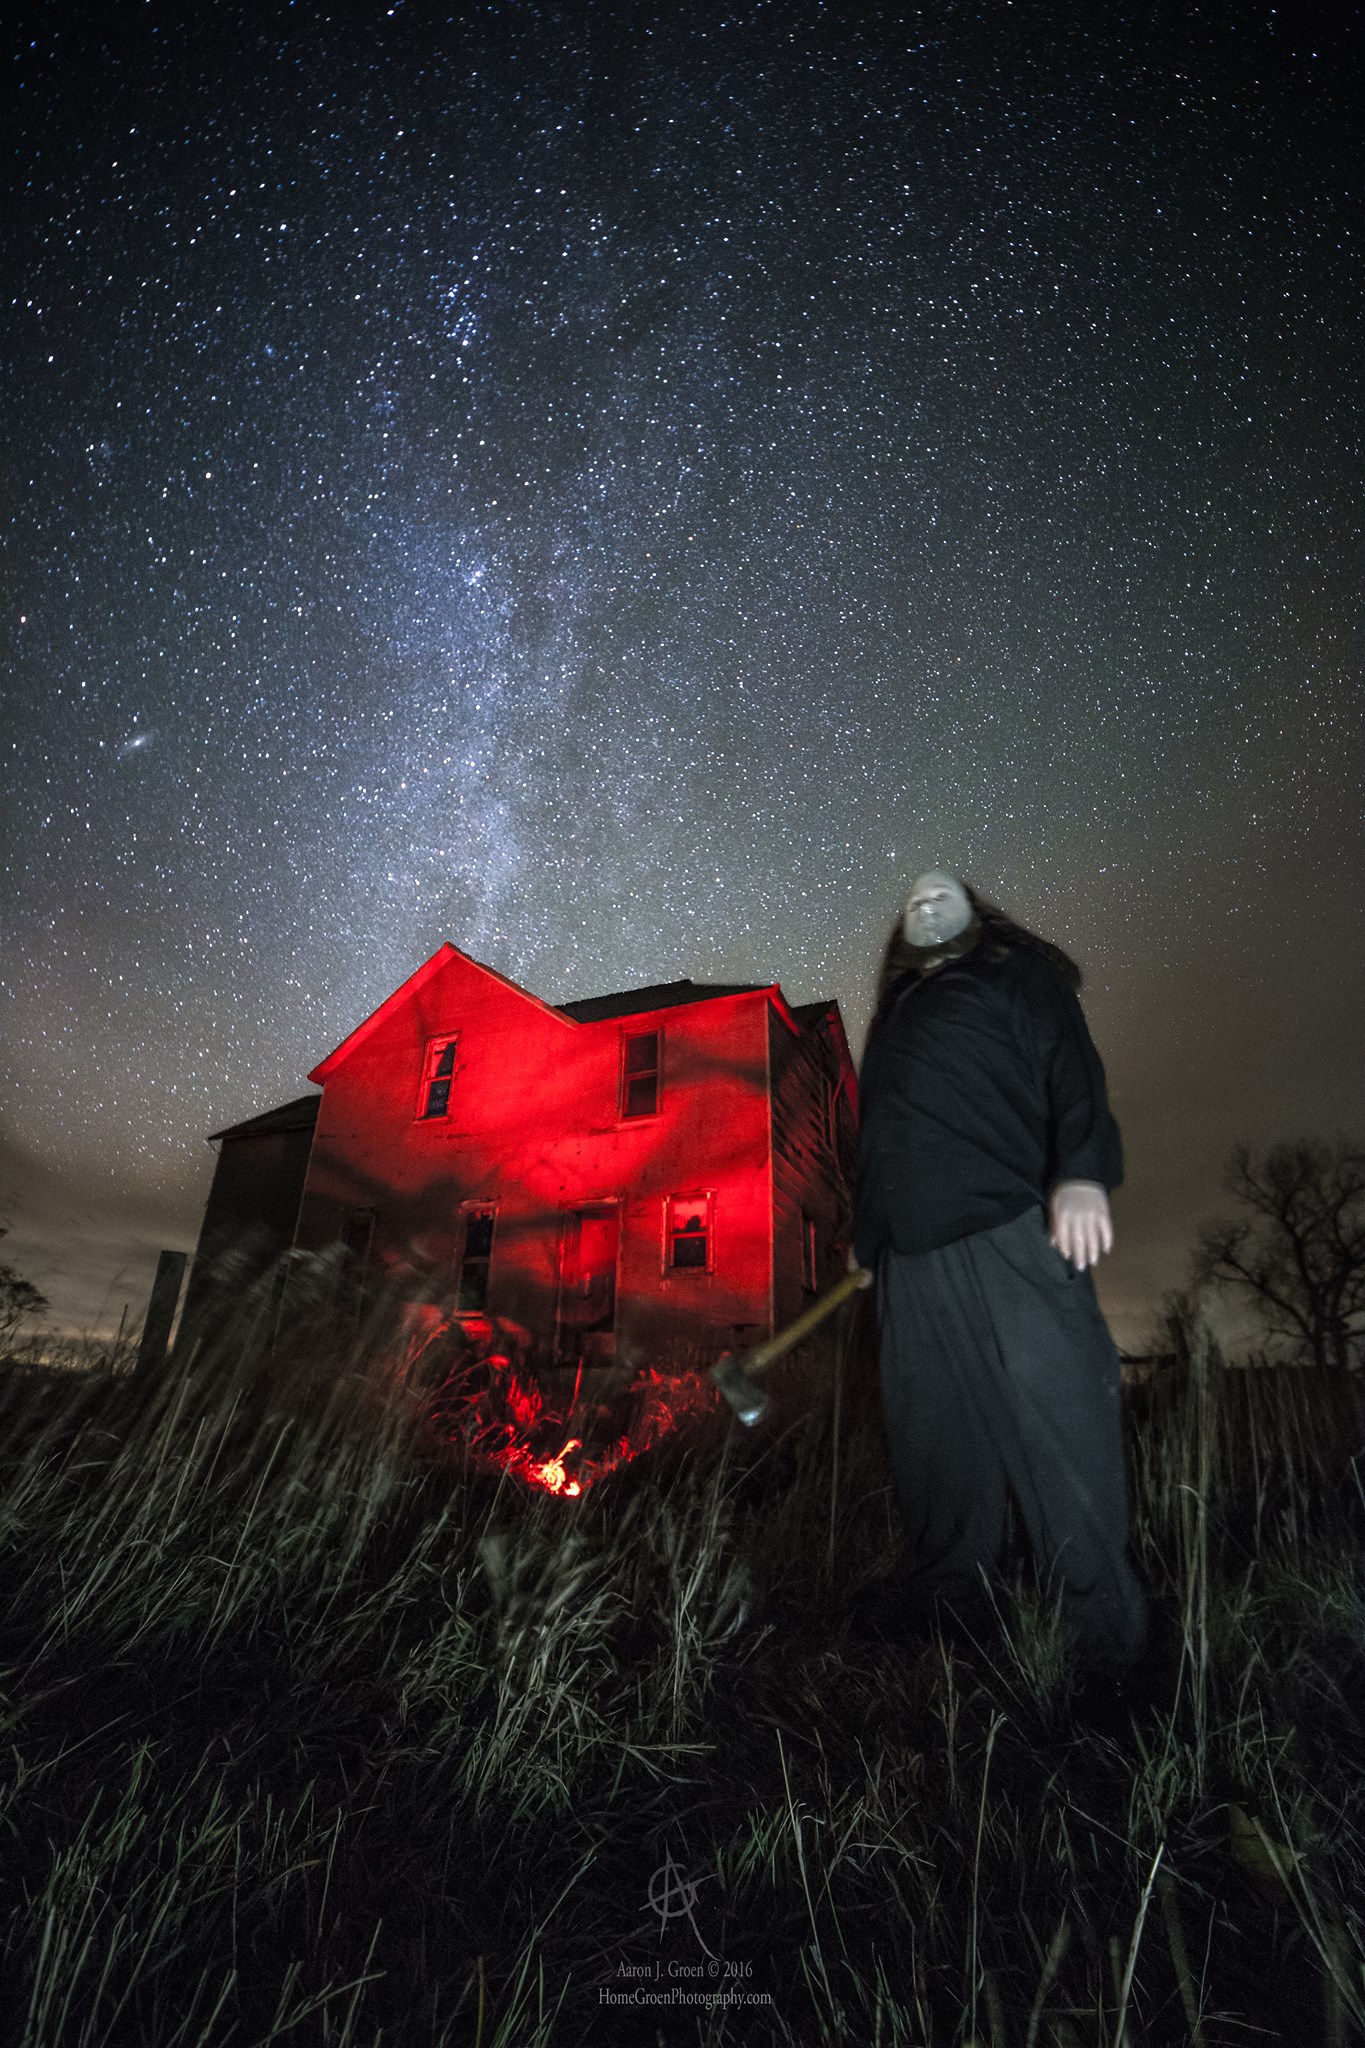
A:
(986, 1154)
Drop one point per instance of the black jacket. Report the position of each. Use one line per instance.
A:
(981, 1088)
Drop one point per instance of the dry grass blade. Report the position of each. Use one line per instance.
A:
(315, 1738)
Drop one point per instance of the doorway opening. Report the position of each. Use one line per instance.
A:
(585, 1332)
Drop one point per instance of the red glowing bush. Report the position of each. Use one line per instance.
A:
(501, 1417)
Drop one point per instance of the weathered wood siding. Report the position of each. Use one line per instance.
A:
(252, 1210)
(812, 1158)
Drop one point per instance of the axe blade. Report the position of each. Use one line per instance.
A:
(746, 1397)
(735, 1376)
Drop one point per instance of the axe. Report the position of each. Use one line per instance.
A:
(734, 1376)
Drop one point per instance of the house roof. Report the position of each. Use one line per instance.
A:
(669, 995)
(299, 1115)
(661, 995)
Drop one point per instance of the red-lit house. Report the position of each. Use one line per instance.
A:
(639, 1177)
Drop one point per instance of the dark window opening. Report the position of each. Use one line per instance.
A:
(357, 1241)
(357, 1234)
(831, 1116)
(809, 1266)
(477, 1259)
(640, 1074)
(845, 1137)
(689, 1233)
(438, 1077)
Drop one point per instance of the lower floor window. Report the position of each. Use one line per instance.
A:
(809, 1257)
(689, 1233)
(357, 1236)
(477, 1257)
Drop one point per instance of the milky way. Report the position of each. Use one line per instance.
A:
(624, 492)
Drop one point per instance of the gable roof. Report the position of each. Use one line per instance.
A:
(404, 993)
(660, 995)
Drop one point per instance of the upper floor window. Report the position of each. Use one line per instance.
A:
(689, 1233)
(640, 1073)
(438, 1076)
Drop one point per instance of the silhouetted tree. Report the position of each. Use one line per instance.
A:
(1298, 1249)
(19, 1299)
(1172, 1329)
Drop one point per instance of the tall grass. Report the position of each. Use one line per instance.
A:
(316, 1732)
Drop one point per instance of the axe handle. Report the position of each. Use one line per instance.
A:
(811, 1319)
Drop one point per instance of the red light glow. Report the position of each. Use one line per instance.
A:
(505, 1427)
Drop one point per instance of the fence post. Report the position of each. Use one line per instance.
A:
(156, 1324)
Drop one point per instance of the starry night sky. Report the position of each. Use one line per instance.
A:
(624, 492)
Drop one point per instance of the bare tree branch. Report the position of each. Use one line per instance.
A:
(1297, 1251)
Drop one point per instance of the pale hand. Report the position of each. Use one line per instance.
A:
(1081, 1226)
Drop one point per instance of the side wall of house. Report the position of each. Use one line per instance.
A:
(814, 1134)
(709, 1139)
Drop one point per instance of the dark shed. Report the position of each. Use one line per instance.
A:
(253, 1205)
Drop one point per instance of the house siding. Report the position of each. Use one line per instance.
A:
(811, 1176)
(250, 1216)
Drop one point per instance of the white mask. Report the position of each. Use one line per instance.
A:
(937, 911)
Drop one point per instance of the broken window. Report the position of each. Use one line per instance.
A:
(477, 1258)
(689, 1233)
(438, 1078)
(640, 1073)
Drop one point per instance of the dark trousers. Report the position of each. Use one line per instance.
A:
(999, 1376)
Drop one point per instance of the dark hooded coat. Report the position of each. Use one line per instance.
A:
(981, 1088)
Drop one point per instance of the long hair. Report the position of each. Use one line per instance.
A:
(992, 930)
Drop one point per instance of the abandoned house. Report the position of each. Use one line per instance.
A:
(638, 1177)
